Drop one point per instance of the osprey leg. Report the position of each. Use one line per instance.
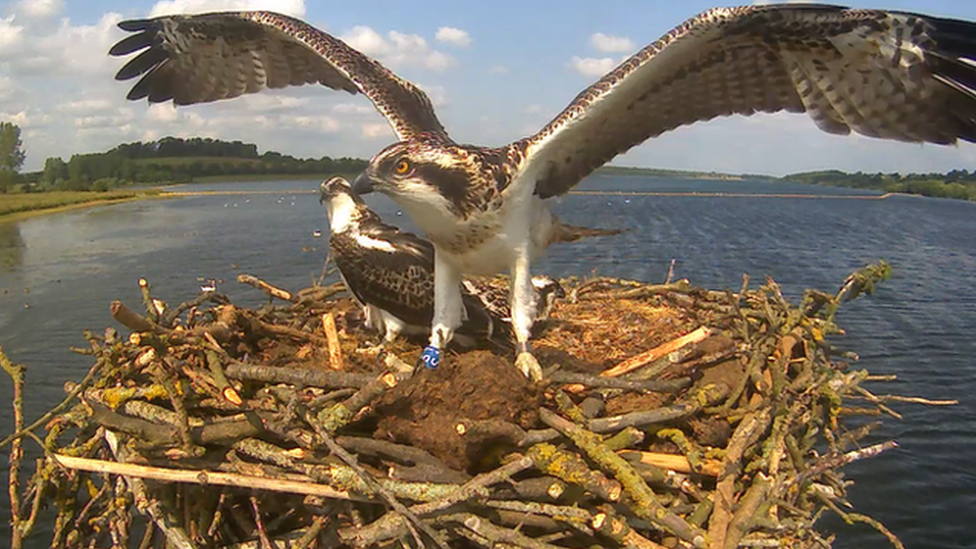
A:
(448, 312)
(523, 298)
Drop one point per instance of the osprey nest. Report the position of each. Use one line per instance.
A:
(670, 416)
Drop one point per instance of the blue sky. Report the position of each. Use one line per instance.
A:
(496, 71)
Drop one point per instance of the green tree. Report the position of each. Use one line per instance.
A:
(11, 155)
(55, 172)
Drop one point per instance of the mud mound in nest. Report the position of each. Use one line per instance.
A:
(425, 410)
(670, 415)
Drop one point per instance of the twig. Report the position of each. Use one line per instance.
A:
(62, 406)
(747, 506)
(851, 518)
(332, 338)
(393, 525)
(572, 469)
(132, 320)
(618, 530)
(673, 462)
(334, 418)
(399, 452)
(162, 516)
(912, 400)
(646, 504)
(350, 460)
(259, 523)
(265, 287)
(204, 477)
(493, 533)
(171, 315)
(227, 391)
(658, 352)
(16, 373)
(750, 428)
(296, 376)
(625, 438)
(147, 300)
(670, 385)
(835, 462)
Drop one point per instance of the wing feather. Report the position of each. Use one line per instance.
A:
(402, 283)
(209, 57)
(890, 75)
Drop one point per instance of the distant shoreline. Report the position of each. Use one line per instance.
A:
(20, 216)
(12, 217)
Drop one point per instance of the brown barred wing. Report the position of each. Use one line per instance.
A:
(890, 75)
(400, 283)
(201, 58)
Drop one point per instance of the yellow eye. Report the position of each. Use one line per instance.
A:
(402, 167)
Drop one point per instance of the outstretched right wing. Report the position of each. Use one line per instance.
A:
(891, 75)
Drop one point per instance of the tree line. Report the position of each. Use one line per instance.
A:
(166, 160)
(958, 184)
(178, 160)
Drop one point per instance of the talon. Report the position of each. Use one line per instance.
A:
(529, 366)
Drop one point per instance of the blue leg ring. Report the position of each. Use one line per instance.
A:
(431, 357)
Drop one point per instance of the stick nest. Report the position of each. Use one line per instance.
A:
(670, 416)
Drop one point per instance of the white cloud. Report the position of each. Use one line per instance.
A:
(590, 66)
(87, 106)
(373, 131)
(7, 89)
(323, 124)
(9, 35)
(19, 118)
(609, 44)
(162, 112)
(397, 49)
(532, 109)
(454, 36)
(271, 101)
(295, 8)
(76, 50)
(498, 69)
(102, 121)
(353, 108)
(40, 8)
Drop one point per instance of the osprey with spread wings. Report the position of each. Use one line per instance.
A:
(891, 75)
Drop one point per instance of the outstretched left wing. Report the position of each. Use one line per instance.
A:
(890, 75)
(201, 58)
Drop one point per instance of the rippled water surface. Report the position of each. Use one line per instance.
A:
(58, 274)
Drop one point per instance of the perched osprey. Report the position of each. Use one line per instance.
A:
(390, 273)
(891, 75)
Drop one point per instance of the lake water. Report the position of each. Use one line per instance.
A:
(66, 268)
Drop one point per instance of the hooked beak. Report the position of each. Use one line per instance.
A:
(363, 183)
(322, 192)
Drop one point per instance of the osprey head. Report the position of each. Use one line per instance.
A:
(342, 204)
(429, 170)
